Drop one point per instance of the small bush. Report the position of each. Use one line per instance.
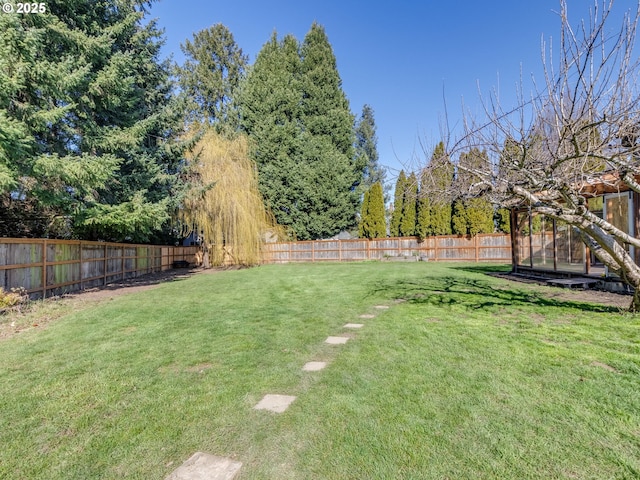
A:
(15, 297)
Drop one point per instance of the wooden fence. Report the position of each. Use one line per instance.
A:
(47, 267)
(494, 247)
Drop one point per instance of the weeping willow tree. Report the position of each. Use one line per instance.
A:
(223, 204)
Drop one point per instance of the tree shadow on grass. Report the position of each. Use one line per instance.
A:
(483, 268)
(475, 294)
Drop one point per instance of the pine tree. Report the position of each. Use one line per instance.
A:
(269, 102)
(211, 75)
(408, 218)
(327, 140)
(396, 216)
(301, 129)
(87, 110)
(366, 150)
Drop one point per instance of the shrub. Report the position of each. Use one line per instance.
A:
(15, 297)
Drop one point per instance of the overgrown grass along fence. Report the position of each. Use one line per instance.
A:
(493, 247)
(47, 267)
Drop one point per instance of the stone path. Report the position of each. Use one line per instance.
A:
(203, 466)
(336, 340)
(275, 403)
(314, 366)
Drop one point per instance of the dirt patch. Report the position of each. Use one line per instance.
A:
(41, 313)
(609, 368)
(199, 368)
(575, 295)
(137, 284)
(537, 319)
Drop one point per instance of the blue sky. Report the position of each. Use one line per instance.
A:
(402, 58)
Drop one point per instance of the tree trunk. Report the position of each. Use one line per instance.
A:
(635, 303)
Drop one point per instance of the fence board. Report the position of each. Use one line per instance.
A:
(45, 266)
(492, 247)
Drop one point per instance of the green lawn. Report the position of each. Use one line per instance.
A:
(471, 377)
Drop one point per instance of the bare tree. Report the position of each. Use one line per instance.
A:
(578, 133)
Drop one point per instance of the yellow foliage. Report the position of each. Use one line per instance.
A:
(13, 298)
(224, 204)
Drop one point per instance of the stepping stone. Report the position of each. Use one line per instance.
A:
(381, 307)
(314, 366)
(204, 466)
(354, 325)
(336, 340)
(366, 315)
(275, 403)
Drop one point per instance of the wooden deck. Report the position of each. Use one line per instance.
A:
(573, 282)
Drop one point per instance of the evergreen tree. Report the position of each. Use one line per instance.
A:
(211, 74)
(298, 120)
(503, 220)
(363, 225)
(327, 141)
(439, 174)
(269, 101)
(396, 215)
(372, 221)
(367, 150)
(408, 217)
(459, 218)
(86, 122)
(473, 212)
(480, 215)
(423, 220)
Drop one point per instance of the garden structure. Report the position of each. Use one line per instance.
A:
(544, 246)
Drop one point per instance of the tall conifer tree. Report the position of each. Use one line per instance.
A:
(298, 118)
(423, 220)
(459, 218)
(408, 218)
(398, 202)
(440, 178)
(211, 74)
(372, 219)
(473, 212)
(270, 102)
(86, 122)
(367, 158)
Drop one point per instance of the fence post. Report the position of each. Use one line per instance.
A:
(104, 262)
(475, 240)
(340, 250)
(435, 248)
(313, 251)
(80, 265)
(122, 258)
(44, 268)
